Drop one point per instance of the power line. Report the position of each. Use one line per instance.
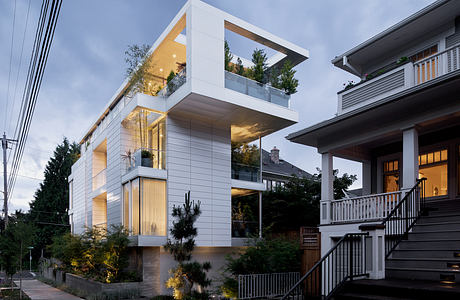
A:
(9, 72)
(43, 39)
(19, 66)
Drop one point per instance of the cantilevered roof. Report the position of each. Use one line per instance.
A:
(400, 35)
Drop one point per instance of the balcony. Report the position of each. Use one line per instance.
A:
(246, 172)
(244, 229)
(99, 179)
(254, 89)
(399, 79)
(146, 157)
(174, 84)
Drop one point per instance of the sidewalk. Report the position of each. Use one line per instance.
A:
(36, 289)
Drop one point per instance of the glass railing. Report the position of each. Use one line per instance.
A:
(99, 179)
(174, 84)
(255, 89)
(246, 172)
(244, 229)
(146, 157)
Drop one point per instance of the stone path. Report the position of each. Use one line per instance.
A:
(36, 289)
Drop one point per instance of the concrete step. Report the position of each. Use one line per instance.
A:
(421, 253)
(447, 217)
(437, 226)
(423, 274)
(434, 234)
(435, 244)
(397, 289)
(447, 210)
(452, 264)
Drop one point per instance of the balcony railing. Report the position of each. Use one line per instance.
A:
(399, 79)
(365, 208)
(253, 88)
(174, 84)
(146, 157)
(244, 229)
(99, 179)
(246, 172)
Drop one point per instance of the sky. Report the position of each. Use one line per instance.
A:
(86, 65)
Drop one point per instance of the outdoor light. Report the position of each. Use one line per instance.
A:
(30, 258)
(174, 55)
(453, 265)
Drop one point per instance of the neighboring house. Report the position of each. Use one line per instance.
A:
(402, 122)
(145, 151)
(276, 171)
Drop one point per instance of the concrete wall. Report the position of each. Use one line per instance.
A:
(90, 287)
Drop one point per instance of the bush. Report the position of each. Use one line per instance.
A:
(264, 256)
(97, 254)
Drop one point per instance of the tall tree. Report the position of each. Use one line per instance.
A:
(48, 210)
(259, 58)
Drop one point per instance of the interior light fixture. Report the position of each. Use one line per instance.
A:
(161, 69)
(174, 55)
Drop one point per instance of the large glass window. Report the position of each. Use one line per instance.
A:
(391, 176)
(144, 202)
(157, 144)
(433, 167)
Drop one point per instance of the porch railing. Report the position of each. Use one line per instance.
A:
(400, 220)
(365, 208)
(268, 285)
(345, 261)
(437, 64)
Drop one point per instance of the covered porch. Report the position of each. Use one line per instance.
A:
(397, 140)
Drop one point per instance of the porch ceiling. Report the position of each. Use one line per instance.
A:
(356, 133)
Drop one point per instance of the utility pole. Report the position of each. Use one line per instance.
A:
(5, 142)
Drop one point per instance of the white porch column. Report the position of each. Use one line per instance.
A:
(366, 178)
(410, 158)
(327, 189)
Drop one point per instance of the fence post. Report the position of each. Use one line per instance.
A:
(374, 250)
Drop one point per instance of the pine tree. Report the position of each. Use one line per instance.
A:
(228, 57)
(287, 81)
(259, 58)
(187, 273)
(51, 200)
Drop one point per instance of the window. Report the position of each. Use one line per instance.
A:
(144, 206)
(433, 166)
(391, 176)
(426, 70)
(157, 143)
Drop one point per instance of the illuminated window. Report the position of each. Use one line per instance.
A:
(433, 167)
(144, 206)
(391, 176)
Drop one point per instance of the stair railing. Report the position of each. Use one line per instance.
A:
(403, 217)
(345, 261)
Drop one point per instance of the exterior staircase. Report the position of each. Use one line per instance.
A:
(426, 265)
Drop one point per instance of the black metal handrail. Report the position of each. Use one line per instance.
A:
(402, 218)
(343, 262)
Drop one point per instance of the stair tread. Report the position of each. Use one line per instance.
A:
(447, 214)
(437, 223)
(423, 270)
(358, 295)
(434, 231)
(453, 259)
(431, 240)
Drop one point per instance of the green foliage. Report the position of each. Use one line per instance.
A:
(97, 254)
(13, 244)
(186, 274)
(297, 203)
(287, 81)
(146, 154)
(263, 256)
(259, 58)
(228, 57)
(138, 65)
(51, 200)
(245, 154)
(239, 69)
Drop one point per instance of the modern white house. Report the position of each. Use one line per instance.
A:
(401, 121)
(147, 149)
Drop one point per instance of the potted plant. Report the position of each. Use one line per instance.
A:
(147, 158)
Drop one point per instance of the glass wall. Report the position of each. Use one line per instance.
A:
(246, 161)
(245, 217)
(144, 206)
(433, 167)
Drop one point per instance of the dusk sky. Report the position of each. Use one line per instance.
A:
(86, 64)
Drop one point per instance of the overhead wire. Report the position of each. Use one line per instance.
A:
(32, 87)
(9, 72)
(10, 115)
